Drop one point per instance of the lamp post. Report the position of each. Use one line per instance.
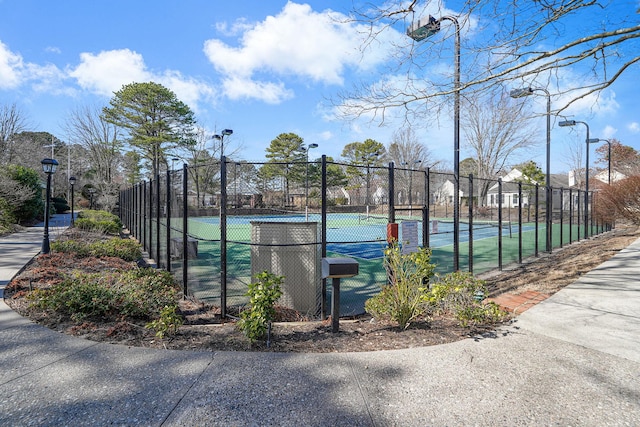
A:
(220, 137)
(306, 184)
(519, 93)
(72, 182)
(596, 140)
(420, 33)
(49, 167)
(92, 191)
(586, 174)
(173, 161)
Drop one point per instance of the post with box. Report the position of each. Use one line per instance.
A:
(335, 269)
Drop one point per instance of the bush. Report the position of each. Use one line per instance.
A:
(141, 293)
(462, 295)
(100, 221)
(126, 249)
(60, 205)
(263, 293)
(621, 199)
(403, 299)
(33, 206)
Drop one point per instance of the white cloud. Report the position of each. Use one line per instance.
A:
(609, 132)
(300, 42)
(11, 66)
(634, 127)
(108, 71)
(242, 87)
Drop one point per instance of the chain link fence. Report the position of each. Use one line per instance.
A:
(216, 225)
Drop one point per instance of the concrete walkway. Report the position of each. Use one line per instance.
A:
(573, 359)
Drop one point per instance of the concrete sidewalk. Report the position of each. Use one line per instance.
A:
(573, 359)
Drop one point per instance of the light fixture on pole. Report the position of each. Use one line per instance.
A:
(596, 140)
(519, 93)
(586, 174)
(306, 184)
(220, 137)
(49, 167)
(419, 33)
(72, 182)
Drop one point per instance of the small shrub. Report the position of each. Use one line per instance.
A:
(168, 322)
(263, 293)
(60, 204)
(403, 299)
(461, 294)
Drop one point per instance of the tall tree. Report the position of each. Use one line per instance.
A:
(204, 166)
(624, 159)
(365, 160)
(154, 118)
(286, 156)
(12, 122)
(495, 129)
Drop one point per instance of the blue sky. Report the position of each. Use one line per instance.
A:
(258, 67)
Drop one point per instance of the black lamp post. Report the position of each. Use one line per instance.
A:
(419, 33)
(72, 182)
(596, 140)
(49, 167)
(92, 191)
(519, 93)
(586, 174)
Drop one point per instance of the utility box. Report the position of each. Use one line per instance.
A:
(290, 249)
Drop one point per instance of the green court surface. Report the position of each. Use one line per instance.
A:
(204, 274)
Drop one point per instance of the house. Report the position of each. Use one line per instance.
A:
(511, 191)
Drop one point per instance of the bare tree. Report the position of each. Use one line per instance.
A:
(203, 166)
(495, 128)
(101, 139)
(501, 43)
(12, 122)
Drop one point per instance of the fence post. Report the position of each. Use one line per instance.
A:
(519, 222)
(323, 228)
(168, 239)
(223, 237)
(157, 255)
(570, 215)
(425, 211)
(578, 213)
(392, 206)
(185, 232)
(470, 203)
(537, 217)
(561, 215)
(500, 223)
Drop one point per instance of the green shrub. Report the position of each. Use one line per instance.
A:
(100, 221)
(168, 322)
(263, 293)
(126, 249)
(140, 293)
(403, 299)
(60, 204)
(462, 295)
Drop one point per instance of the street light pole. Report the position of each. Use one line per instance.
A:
(519, 93)
(72, 181)
(586, 174)
(596, 140)
(418, 34)
(49, 167)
